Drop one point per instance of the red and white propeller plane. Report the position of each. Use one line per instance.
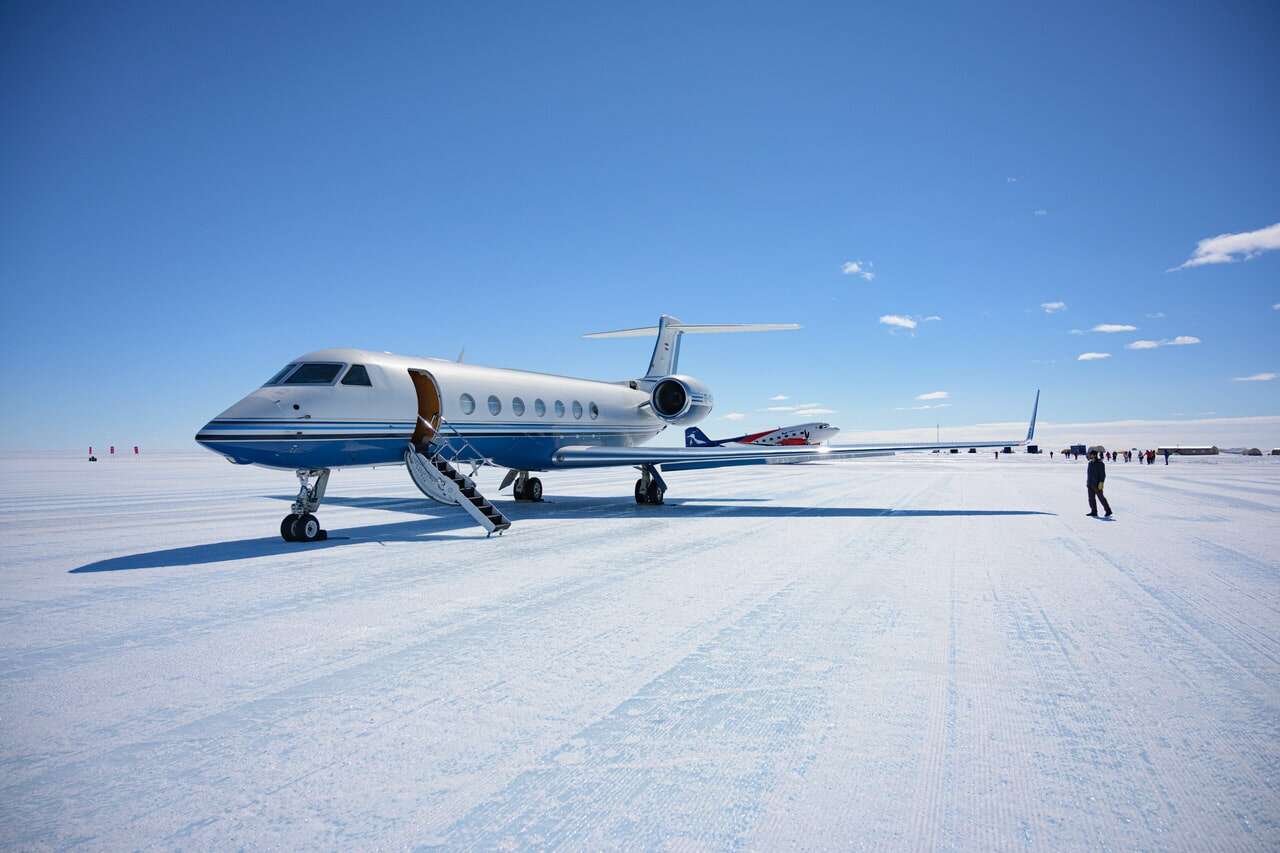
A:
(810, 433)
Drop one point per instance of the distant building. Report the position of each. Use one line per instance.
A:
(1188, 451)
(1252, 451)
(1275, 451)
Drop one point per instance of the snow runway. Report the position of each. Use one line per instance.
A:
(920, 651)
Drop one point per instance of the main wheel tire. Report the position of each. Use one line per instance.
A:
(654, 494)
(286, 527)
(306, 528)
(517, 491)
(533, 490)
(641, 497)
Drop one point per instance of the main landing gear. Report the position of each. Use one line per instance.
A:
(650, 488)
(301, 525)
(527, 488)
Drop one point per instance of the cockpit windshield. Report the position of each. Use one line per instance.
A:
(314, 373)
(275, 380)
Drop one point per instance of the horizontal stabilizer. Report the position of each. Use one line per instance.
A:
(666, 350)
(705, 329)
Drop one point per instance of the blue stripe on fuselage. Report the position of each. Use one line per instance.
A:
(530, 451)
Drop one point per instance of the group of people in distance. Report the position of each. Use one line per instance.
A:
(1144, 456)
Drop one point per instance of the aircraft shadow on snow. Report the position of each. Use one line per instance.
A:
(436, 521)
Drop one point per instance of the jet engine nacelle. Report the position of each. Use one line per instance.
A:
(680, 400)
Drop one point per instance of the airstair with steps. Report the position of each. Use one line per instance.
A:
(433, 472)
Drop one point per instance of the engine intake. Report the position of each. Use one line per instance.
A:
(680, 400)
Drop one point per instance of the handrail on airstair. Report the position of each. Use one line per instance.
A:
(446, 444)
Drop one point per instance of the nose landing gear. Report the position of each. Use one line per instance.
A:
(301, 525)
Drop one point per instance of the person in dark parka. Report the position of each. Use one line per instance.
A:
(1097, 475)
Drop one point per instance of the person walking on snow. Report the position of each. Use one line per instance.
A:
(1097, 475)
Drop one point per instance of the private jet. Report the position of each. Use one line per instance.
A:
(339, 408)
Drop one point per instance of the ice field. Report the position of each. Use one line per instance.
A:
(915, 652)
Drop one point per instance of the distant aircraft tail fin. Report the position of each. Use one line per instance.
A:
(694, 437)
(666, 350)
(1035, 407)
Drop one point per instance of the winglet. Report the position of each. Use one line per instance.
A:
(1031, 430)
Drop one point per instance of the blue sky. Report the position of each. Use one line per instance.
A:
(194, 194)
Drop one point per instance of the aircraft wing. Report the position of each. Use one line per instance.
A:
(689, 458)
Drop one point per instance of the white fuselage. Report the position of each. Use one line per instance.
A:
(515, 418)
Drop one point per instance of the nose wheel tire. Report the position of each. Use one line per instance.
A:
(286, 527)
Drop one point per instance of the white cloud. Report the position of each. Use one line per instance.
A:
(921, 408)
(781, 409)
(1010, 180)
(1179, 341)
(899, 321)
(1076, 332)
(1159, 315)
(1229, 248)
(817, 411)
(1111, 328)
(779, 397)
(1092, 356)
(931, 318)
(1040, 212)
(734, 416)
(933, 395)
(1050, 307)
(859, 269)
(1276, 307)
(1257, 377)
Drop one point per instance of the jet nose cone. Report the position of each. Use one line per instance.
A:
(203, 435)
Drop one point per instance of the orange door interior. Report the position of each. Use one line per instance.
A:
(428, 407)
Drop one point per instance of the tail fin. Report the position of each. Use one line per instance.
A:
(666, 351)
(694, 437)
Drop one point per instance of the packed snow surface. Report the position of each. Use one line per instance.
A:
(914, 652)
